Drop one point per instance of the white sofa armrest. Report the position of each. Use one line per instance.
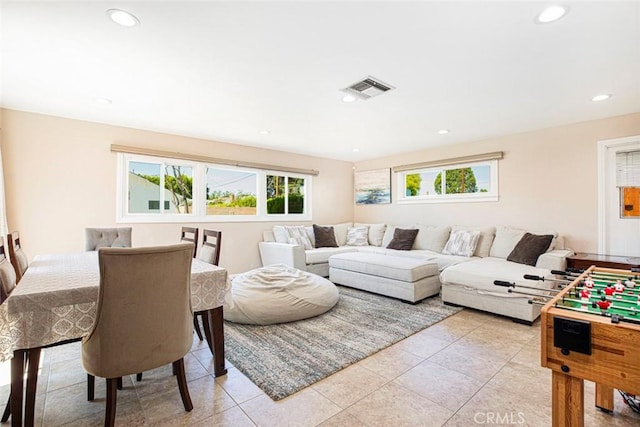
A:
(282, 253)
(554, 260)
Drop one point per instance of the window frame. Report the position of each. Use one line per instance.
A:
(199, 200)
(491, 196)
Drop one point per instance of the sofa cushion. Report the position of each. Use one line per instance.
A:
(484, 242)
(324, 236)
(341, 232)
(529, 248)
(376, 233)
(432, 237)
(508, 237)
(321, 255)
(388, 233)
(403, 239)
(480, 274)
(399, 268)
(462, 242)
(358, 236)
(296, 235)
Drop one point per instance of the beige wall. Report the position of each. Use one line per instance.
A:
(60, 177)
(547, 181)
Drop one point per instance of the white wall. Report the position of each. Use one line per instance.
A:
(60, 177)
(547, 180)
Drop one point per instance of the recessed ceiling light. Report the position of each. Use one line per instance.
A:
(601, 97)
(551, 14)
(122, 17)
(443, 131)
(265, 132)
(348, 98)
(103, 101)
(355, 150)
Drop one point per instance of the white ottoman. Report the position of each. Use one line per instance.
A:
(409, 279)
(278, 294)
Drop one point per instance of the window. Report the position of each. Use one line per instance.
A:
(476, 181)
(153, 189)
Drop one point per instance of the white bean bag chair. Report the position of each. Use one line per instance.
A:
(278, 294)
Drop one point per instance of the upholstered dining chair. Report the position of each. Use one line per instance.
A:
(209, 252)
(18, 258)
(7, 274)
(190, 234)
(143, 317)
(96, 238)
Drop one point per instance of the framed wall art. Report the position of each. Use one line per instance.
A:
(372, 187)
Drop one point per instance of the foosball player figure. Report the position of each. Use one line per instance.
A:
(603, 304)
(618, 288)
(588, 282)
(609, 290)
(629, 283)
(584, 296)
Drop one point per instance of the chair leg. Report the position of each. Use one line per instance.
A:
(119, 383)
(139, 376)
(196, 326)
(178, 367)
(91, 387)
(112, 399)
(7, 410)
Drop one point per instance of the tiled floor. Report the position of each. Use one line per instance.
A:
(470, 369)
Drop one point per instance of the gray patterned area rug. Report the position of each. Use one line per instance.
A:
(282, 359)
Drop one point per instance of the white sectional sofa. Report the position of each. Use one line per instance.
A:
(465, 280)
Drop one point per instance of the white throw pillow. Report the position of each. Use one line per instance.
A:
(340, 230)
(461, 242)
(297, 235)
(432, 237)
(280, 234)
(484, 241)
(376, 233)
(506, 239)
(358, 236)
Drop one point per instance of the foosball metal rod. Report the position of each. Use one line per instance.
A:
(628, 298)
(547, 279)
(572, 273)
(506, 284)
(615, 318)
(617, 307)
(531, 294)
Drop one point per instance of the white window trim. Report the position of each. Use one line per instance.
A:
(492, 196)
(198, 213)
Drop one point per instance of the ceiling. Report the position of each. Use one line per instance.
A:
(226, 71)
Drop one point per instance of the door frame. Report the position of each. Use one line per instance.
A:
(603, 146)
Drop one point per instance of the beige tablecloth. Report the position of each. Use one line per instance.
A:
(56, 299)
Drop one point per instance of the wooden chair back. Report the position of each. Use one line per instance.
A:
(211, 246)
(190, 234)
(18, 258)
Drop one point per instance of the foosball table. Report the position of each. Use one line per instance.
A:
(590, 330)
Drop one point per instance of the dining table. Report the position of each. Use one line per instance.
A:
(55, 303)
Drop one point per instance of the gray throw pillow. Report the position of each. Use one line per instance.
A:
(403, 239)
(325, 237)
(529, 248)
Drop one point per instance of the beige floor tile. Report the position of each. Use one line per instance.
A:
(343, 419)
(529, 355)
(422, 344)
(238, 386)
(470, 360)
(161, 379)
(475, 316)
(70, 403)
(166, 408)
(233, 417)
(452, 328)
(531, 384)
(458, 421)
(349, 385)
(441, 385)
(206, 359)
(305, 408)
(61, 353)
(492, 404)
(129, 414)
(391, 362)
(622, 415)
(65, 373)
(393, 405)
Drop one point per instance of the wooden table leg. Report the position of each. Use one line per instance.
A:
(17, 386)
(567, 395)
(604, 397)
(214, 321)
(33, 362)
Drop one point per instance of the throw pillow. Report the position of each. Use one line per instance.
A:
(325, 237)
(403, 239)
(358, 236)
(297, 235)
(529, 248)
(462, 243)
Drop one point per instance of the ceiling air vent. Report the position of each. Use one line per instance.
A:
(368, 88)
